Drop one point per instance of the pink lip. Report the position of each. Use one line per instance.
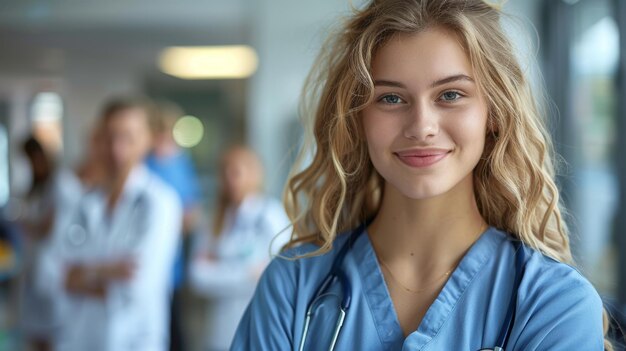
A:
(422, 157)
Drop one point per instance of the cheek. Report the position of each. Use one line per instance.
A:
(144, 145)
(469, 131)
(380, 132)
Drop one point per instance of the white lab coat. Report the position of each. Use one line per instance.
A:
(241, 251)
(37, 317)
(145, 227)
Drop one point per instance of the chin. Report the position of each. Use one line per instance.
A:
(421, 190)
(428, 188)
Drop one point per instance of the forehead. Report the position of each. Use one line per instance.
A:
(128, 118)
(422, 57)
(238, 156)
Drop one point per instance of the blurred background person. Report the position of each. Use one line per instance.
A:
(175, 167)
(91, 170)
(10, 256)
(229, 260)
(112, 257)
(9, 253)
(51, 188)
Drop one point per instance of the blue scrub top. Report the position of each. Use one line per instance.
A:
(557, 308)
(178, 171)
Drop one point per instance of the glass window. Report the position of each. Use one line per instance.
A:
(594, 62)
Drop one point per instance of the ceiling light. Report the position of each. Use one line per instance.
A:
(209, 62)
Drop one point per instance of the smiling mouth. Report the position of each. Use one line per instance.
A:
(422, 158)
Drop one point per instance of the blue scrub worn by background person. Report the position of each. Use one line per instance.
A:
(557, 309)
(178, 171)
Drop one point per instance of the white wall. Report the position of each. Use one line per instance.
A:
(86, 88)
(288, 35)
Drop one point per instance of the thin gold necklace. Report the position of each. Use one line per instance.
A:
(429, 284)
(409, 289)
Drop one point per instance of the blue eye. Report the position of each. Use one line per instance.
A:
(391, 99)
(450, 96)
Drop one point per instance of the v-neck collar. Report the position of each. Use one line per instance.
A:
(380, 303)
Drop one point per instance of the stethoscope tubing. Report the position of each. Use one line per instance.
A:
(337, 274)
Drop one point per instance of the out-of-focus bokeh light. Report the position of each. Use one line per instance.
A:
(209, 62)
(188, 131)
(46, 117)
(47, 106)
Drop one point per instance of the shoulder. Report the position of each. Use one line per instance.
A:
(157, 189)
(274, 211)
(263, 202)
(546, 278)
(307, 253)
(554, 298)
(283, 291)
(547, 285)
(266, 209)
(290, 277)
(150, 160)
(542, 273)
(305, 259)
(67, 186)
(159, 198)
(184, 158)
(272, 202)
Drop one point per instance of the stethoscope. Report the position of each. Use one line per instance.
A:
(337, 274)
(78, 233)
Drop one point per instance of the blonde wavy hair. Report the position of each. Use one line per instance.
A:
(514, 180)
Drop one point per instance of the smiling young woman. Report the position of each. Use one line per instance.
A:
(425, 128)
(425, 131)
(428, 218)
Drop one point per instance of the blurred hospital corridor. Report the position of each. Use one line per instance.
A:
(145, 146)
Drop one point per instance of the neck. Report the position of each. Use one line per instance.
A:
(426, 236)
(115, 185)
(166, 149)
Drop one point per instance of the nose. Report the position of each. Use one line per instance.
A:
(422, 123)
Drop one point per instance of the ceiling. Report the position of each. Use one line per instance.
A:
(117, 13)
(44, 36)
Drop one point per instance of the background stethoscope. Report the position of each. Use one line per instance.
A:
(78, 233)
(337, 274)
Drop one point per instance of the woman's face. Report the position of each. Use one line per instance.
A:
(426, 126)
(126, 138)
(240, 175)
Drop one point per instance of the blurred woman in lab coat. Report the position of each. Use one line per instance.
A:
(110, 261)
(51, 188)
(229, 260)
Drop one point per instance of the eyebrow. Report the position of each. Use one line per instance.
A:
(454, 78)
(450, 79)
